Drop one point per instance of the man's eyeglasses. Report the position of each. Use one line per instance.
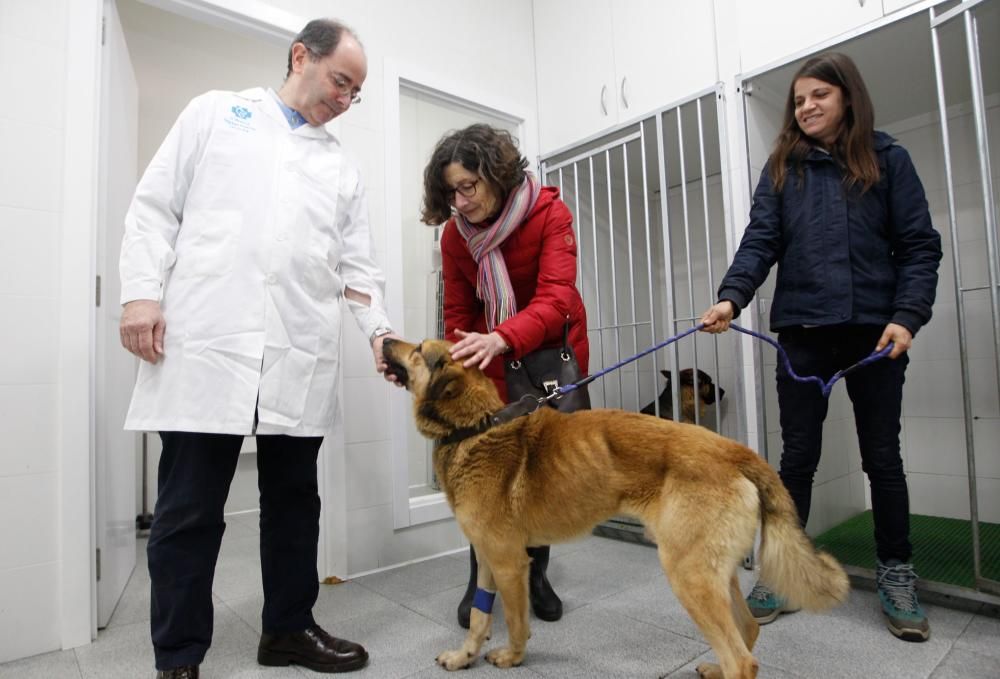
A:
(467, 190)
(344, 87)
(341, 82)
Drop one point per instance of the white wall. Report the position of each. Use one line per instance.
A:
(32, 123)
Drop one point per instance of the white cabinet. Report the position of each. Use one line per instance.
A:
(890, 6)
(575, 67)
(601, 62)
(774, 29)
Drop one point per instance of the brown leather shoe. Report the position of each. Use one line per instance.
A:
(312, 648)
(186, 672)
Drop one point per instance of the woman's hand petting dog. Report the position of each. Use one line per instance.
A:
(477, 349)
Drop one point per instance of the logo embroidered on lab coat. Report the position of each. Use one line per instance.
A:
(239, 119)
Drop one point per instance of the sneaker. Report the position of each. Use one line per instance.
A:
(765, 605)
(897, 589)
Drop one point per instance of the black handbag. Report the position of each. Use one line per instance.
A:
(539, 373)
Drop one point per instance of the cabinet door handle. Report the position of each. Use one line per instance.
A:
(604, 102)
(624, 98)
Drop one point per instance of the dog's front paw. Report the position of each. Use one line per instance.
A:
(708, 670)
(454, 660)
(504, 657)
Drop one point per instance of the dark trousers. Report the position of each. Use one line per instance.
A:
(876, 392)
(194, 476)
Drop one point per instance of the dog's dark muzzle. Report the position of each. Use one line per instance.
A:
(395, 367)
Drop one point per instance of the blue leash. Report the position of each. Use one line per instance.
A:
(825, 387)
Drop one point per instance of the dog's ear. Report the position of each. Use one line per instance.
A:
(704, 377)
(446, 385)
(668, 376)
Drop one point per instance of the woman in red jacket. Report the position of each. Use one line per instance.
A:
(509, 263)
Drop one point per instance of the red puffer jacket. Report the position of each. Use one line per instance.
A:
(541, 262)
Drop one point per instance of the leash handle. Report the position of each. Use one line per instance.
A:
(825, 387)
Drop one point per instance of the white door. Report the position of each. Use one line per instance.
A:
(114, 370)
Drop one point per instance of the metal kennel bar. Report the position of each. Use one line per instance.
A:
(635, 237)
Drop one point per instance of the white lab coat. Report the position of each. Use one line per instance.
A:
(247, 232)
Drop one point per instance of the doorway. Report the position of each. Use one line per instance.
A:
(154, 62)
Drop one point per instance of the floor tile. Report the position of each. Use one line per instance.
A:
(621, 620)
(57, 665)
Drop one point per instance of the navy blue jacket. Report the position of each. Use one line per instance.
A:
(843, 256)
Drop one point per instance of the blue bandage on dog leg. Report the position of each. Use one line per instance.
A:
(484, 600)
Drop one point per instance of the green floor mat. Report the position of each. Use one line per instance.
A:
(942, 548)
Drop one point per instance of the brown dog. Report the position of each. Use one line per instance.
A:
(549, 477)
(706, 396)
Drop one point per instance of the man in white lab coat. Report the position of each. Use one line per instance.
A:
(245, 231)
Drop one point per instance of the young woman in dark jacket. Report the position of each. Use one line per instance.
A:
(840, 209)
(508, 256)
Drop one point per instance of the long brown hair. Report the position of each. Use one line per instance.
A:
(853, 147)
(489, 151)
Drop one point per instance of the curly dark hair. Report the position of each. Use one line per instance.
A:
(490, 152)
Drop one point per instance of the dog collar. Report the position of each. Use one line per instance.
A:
(524, 406)
(460, 435)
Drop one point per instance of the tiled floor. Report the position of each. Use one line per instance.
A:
(621, 620)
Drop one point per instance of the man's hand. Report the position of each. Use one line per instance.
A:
(141, 329)
(901, 338)
(478, 349)
(718, 317)
(380, 363)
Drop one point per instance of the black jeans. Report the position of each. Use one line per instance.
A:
(876, 392)
(195, 473)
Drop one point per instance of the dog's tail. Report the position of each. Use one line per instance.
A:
(791, 566)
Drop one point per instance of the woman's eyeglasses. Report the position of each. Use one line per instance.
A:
(468, 190)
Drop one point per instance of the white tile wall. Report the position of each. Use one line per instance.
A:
(29, 624)
(30, 527)
(935, 445)
(987, 433)
(366, 408)
(29, 354)
(939, 495)
(21, 84)
(27, 175)
(365, 529)
(412, 543)
(369, 474)
(26, 429)
(988, 492)
(28, 266)
(31, 136)
(834, 461)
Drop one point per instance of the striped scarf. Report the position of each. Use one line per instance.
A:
(492, 281)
